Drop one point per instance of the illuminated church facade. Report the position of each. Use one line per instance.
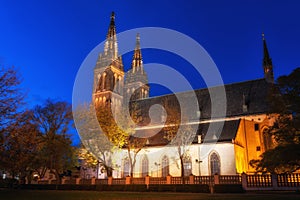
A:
(241, 139)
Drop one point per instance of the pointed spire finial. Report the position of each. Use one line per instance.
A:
(112, 17)
(267, 62)
(263, 35)
(112, 27)
(138, 41)
(137, 60)
(111, 46)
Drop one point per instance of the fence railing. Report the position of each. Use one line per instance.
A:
(157, 180)
(261, 181)
(118, 181)
(249, 182)
(288, 180)
(138, 181)
(208, 180)
(230, 179)
(179, 180)
(101, 181)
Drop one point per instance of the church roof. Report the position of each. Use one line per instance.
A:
(228, 132)
(243, 98)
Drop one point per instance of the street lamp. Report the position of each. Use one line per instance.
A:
(199, 162)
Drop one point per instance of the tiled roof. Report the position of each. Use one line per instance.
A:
(157, 137)
(251, 93)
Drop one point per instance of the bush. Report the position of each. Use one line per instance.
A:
(8, 183)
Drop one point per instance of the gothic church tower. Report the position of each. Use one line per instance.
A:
(136, 80)
(109, 72)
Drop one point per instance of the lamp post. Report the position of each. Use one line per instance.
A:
(157, 165)
(199, 162)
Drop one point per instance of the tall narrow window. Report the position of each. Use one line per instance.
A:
(145, 166)
(103, 81)
(165, 166)
(256, 127)
(187, 165)
(214, 164)
(126, 168)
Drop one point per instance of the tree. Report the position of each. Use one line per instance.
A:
(179, 134)
(10, 100)
(56, 151)
(285, 156)
(10, 95)
(97, 149)
(21, 146)
(121, 131)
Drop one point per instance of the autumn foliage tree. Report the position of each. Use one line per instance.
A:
(21, 146)
(120, 130)
(285, 156)
(32, 140)
(96, 149)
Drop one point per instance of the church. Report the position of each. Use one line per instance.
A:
(240, 140)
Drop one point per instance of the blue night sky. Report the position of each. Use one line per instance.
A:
(48, 40)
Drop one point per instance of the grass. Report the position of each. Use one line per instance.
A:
(93, 195)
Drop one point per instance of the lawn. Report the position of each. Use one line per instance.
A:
(92, 195)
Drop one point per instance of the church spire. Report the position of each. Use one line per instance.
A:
(267, 62)
(137, 60)
(112, 27)
(136, 81)
(111, 45)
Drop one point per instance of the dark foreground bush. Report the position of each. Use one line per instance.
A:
(57, 187)
(8, 183)
(228, 188)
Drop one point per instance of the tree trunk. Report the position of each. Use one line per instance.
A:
(182, 170)
(97, 171)
(130, 161)
(57, 177)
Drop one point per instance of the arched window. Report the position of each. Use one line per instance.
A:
(115, 80)
(145, 166)
(165, 166)
(126, 168)
(214, 164)
(103, 81)
(187, 165)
